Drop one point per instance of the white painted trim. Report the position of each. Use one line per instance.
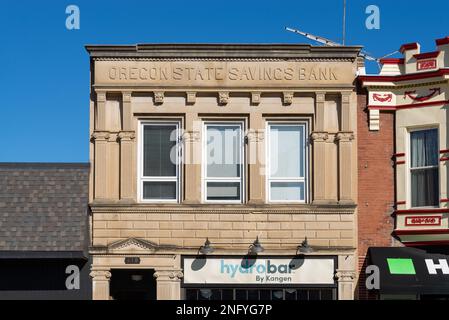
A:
(204, 178)
(408, 162)
(268, 179)
(141, 179)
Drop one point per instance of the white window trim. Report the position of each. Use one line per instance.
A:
(141, 179)
(205, 179)
(409, 169)
(269, 180)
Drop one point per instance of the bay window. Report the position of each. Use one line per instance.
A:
(223, 162)
(287, 162)
(159, 178)
(424, 175)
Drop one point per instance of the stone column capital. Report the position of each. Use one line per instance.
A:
(344, 136)
(100, 275)
(319, 136)
(345, 275)
(126, 96)
(101, 96)
(191, 136)
(126, 136)
(168, 275)
(254, 135)
(99, 136)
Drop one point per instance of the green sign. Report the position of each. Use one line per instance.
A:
(401, 266)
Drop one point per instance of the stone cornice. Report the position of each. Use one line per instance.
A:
(217, 209)
(229, 51)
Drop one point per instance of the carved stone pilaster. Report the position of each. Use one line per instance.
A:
(191, 97)
(288, 97)
(159, 97)
(101, 96)
(168, 284)
(100, 284)
(255, 98)
(223, 97)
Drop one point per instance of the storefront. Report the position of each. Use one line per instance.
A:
(411, 273)
(260, 278)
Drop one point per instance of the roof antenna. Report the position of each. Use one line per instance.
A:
(331, 43)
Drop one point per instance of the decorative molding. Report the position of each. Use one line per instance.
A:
(191, 136)
(344, 136)
(168, 275)
(255, 135)
(288, 97)
(345, 275)
(345, 97)
(191, 97)
(100, 275)
(206, 209)
(412, 95)
(255, 97)
(159, 97)
(101, 96)
(99, 136)
(374, 119)
(223, 97)
(319, 136)
(126, 136)
(320, 96)
(126, 96)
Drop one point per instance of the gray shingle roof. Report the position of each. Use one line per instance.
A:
(43, 207)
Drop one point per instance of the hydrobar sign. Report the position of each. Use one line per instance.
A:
(260, 271)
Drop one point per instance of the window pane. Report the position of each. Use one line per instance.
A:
(286, 151)
(287, 191)
(223, 191)
(425, 191)
(159, 190)
(223, 151)
(424, 148)
(159, 152)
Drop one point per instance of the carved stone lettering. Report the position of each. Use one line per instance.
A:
(250, 73)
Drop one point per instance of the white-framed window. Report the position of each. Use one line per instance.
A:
(159, 161)
(286, 162)
(223, 162)
(424, 168)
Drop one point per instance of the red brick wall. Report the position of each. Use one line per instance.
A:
(376, 186)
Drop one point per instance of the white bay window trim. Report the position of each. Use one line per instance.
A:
(142, 179)
(410, 169)
(207, 180)
(298, 180)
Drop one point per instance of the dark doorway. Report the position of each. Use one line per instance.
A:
(133, 285)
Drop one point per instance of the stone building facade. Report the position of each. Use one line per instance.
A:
(262, 142)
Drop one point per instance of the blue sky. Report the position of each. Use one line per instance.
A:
(44, 77)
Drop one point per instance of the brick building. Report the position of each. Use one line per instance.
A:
(403, 173)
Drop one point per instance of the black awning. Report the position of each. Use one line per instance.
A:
(411, 270)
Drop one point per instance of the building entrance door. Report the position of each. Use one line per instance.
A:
(133, 284)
